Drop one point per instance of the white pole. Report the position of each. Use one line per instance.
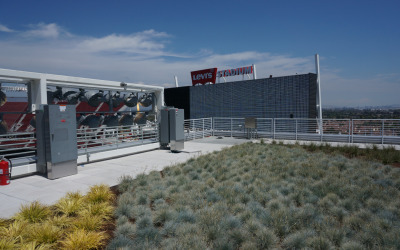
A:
(254, 72)
(319, 105)
(176, 81)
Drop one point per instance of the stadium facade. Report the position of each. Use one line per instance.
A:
(293, 96)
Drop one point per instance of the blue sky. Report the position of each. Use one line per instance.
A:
(151, 41)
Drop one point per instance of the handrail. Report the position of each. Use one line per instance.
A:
(377, 131)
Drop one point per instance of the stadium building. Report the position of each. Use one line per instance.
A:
(294, 96)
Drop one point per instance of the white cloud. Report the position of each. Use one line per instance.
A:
(4, 28)
(139, 46)
(43, 30)
(141, 57)
(139, 42)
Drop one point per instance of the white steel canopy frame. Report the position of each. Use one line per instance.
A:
(39, 81)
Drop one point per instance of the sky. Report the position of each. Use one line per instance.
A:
(152, 41)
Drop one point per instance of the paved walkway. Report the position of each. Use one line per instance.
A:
(27, 189)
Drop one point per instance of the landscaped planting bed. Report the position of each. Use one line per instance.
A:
(258, 196)
(75, 222)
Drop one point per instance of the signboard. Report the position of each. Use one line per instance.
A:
(235, 72)
(209, 75)
(204, 76)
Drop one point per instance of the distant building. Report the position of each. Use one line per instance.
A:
(292, 96)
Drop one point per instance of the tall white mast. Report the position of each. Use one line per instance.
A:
(319, 105)
(176, 81)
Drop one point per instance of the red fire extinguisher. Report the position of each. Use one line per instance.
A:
(5, 171)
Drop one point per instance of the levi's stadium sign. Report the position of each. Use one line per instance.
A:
(235, 72)
(209, 75)
(204, 76)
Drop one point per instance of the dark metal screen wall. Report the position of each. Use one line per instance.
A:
(279, 97)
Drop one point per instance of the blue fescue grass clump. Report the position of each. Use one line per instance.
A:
(260, 196)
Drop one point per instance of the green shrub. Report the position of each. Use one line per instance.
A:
(4, 222)
(257, 196)
(162, 216)
(169, 229)
(89, 223)
(69, 205)
(319, 243)
(14, 230)
(265, 239)
(352, 245)
(82, 239)
(8, 243)
(127, 229)
(147, 237)
(121, 242)
(63, 222)
(44, 233)
(335, 235)
(126, 183)
(297, 240)
(33, 212)
(103, 210)
(141, 180)
(74, 222)
(99, 194)
(185, 216)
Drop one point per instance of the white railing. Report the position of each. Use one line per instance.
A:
(198, 128)
(378, 131)
(107, 138)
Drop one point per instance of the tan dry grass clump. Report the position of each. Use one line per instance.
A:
(76, 221)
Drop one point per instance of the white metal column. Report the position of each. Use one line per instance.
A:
(319, 105)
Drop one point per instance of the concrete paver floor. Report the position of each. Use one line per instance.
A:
(27, 189)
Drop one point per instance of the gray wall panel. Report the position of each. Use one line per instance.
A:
(277, 97)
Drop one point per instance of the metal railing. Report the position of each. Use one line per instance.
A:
(15, 145)
(107, 138)
(197, 128)
(377, 131)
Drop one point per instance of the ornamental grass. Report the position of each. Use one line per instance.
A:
(76, 221)
(260, 196)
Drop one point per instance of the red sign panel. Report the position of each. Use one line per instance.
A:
(204, 76)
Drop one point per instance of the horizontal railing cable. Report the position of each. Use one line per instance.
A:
(376, 131)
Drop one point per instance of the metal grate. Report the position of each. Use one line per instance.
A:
(278, 97)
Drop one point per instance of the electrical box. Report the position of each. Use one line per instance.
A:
(56, 141)
(172, 128)
(250, 122)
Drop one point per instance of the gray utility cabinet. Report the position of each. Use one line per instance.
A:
(172, 128)
(56, 141)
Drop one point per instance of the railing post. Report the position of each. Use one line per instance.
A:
(117, 136)
(352, 130)
(349, 130)
(383, 128)
(321, 128)
(192, 127)
(86, 140)
(212, 124)
(273, 123)
(231, 127)
(141, 130)
(203, 126)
